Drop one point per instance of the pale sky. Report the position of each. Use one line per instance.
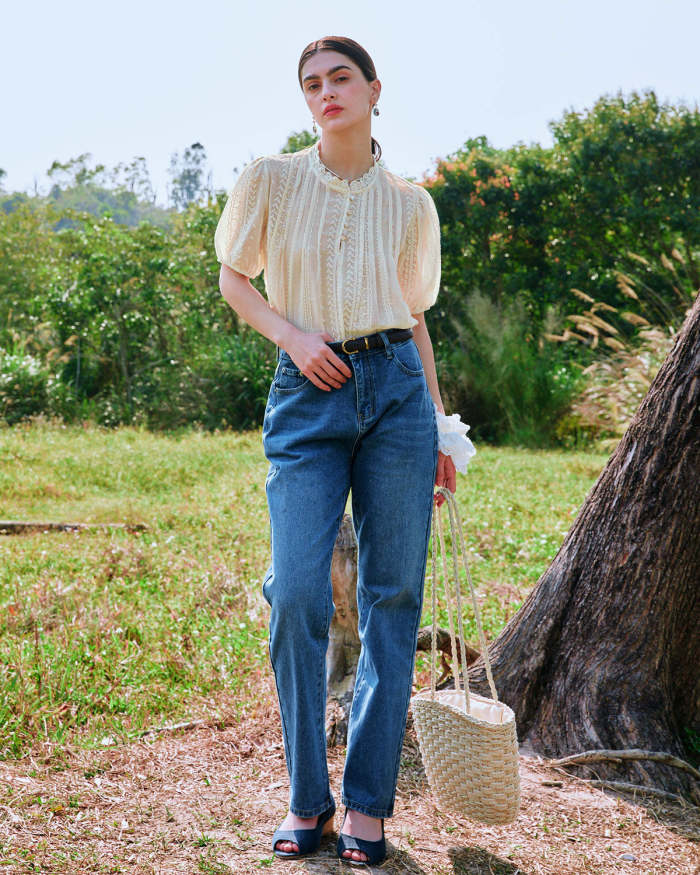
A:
(150, 78)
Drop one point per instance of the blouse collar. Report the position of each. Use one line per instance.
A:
(359, 184)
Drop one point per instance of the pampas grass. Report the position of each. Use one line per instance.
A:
(631, 351)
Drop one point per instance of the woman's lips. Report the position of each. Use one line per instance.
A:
(333, 111)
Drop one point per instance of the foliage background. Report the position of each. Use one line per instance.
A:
(553, 260)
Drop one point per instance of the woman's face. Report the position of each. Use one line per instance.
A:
(331, 79)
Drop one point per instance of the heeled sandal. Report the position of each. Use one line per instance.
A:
(307, 840)
(375, 851)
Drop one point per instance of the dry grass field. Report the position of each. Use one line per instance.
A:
(110, 638)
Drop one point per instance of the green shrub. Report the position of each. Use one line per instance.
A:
(224, 385)
(24, 386)
(507, 383)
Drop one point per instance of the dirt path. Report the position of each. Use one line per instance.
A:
(208, 800)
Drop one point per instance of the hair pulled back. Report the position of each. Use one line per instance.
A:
(352, 50)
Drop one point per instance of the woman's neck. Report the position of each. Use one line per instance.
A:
(348, 154)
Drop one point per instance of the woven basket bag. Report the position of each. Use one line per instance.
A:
(468, 742)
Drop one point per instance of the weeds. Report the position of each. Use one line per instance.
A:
(632, 346)
(106, 635)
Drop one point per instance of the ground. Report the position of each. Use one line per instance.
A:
(208, 800)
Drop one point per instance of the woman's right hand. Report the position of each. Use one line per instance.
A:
(309, 352)
(316, 360)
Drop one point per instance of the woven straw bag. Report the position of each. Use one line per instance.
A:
(468, 742)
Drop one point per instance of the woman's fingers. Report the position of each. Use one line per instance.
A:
(446, 476)
(334, 370)
(439, 478)
(450, 474)
(326, 375)
(321, 365)
(337, 362)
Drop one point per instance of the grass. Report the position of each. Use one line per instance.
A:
(104, 634)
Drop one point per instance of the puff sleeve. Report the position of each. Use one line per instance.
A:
(419, 264)
(240, 236)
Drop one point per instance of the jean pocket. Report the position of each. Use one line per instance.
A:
(408, 358)
(289, 378)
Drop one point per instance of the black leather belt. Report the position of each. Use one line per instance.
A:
(370, 341)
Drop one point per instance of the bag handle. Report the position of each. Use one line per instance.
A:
(455, 526)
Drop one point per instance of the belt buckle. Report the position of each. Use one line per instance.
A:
(349, 340)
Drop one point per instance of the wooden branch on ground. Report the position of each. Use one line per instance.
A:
(624, 787)
(616, 756)
(17, 527)
(171, 727)
(444, 647)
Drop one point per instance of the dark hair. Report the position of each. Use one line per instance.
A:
(355, 52)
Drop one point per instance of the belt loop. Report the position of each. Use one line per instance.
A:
(387, 345)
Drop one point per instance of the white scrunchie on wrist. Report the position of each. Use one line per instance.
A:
(453, 440)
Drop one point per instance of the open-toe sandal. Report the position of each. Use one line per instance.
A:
(375, 851)
(307, 840)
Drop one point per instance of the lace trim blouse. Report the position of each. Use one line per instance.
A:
(347, 257)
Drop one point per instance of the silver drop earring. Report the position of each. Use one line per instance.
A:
(376, 109)
(313, 125)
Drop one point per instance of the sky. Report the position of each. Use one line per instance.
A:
(150, 78)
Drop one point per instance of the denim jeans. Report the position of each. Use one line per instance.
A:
(377, 436)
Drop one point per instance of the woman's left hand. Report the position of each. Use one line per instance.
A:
(446, 476)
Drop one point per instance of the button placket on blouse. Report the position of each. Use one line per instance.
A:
(349, 197)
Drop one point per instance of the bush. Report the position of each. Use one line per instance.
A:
(223, 385)
(507, 383)
(24, 386)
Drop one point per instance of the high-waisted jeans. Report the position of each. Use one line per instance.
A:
(377, 436)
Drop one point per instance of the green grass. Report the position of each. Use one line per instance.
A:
(105, 634)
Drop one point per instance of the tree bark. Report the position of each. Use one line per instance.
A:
(344, 640)
(604, 652)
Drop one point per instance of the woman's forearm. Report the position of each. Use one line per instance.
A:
(250, 305)
(425, 348)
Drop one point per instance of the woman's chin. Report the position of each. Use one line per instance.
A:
(336, 124)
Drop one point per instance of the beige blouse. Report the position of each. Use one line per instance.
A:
(349, 258)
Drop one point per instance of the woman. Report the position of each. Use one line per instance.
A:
(351, 254)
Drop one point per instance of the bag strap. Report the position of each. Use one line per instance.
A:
(455, 528)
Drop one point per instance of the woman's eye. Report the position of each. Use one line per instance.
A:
(314, 85)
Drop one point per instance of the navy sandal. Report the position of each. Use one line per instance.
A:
(375, 851)
(307, 840)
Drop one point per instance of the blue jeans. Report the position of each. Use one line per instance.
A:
(377, 436)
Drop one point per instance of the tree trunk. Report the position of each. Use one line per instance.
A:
(604, 653)
(344, 640)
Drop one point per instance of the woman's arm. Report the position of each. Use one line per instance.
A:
(308, 350)
(446, 471)
(250, 305)
(425, 348)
